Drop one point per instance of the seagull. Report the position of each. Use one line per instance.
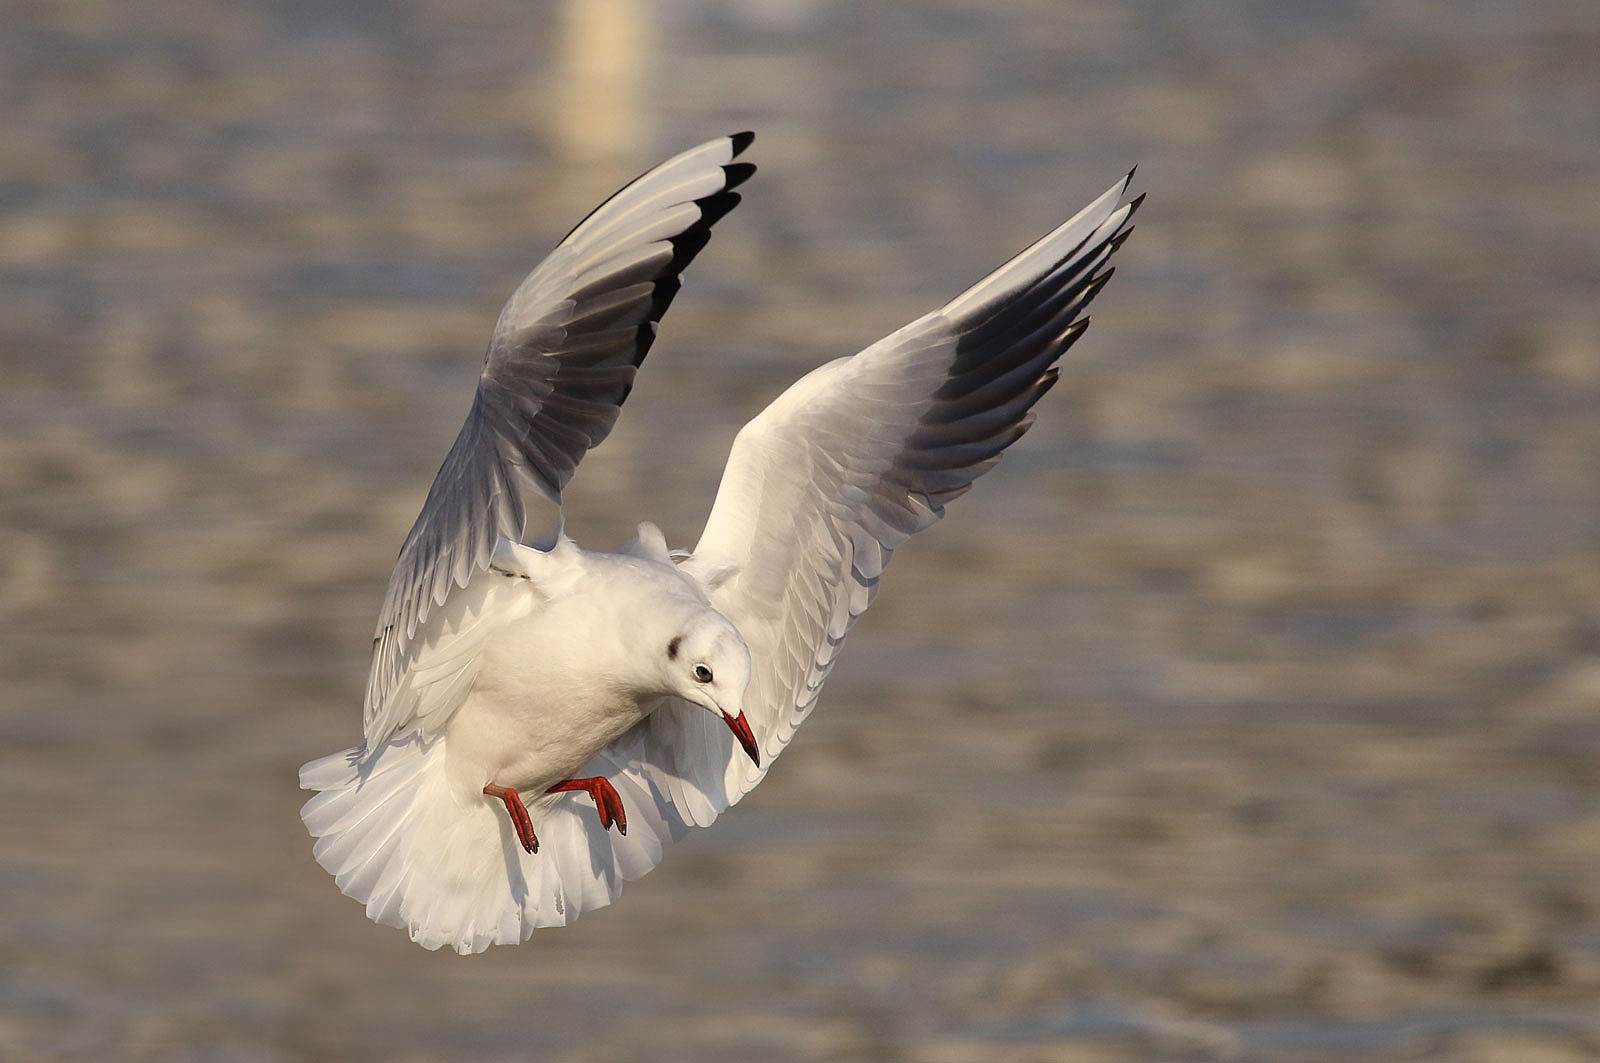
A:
(542, 720)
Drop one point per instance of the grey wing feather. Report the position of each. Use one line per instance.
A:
(561, 361)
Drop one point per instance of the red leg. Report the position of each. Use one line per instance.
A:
(519, 815)
(606, 800)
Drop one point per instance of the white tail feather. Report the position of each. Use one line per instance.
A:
(394, 838)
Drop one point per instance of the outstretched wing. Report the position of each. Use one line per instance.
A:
(561, 361)
(819, 491)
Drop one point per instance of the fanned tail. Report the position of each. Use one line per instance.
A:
(394, 838)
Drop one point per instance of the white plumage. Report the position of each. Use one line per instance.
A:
(508, 661)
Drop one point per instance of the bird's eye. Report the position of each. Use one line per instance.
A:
(702, 674)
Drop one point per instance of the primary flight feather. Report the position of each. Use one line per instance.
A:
(540, 719)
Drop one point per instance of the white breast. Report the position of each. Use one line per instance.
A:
(557, 686)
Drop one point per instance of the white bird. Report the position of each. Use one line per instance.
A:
(513, 672)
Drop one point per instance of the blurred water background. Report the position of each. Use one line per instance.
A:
(1246, 712)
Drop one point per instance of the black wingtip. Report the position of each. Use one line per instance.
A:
(740, 141)
(715, 207)
(1135, 203)
(1092, 289)
(689, 243)
(737, 173)
(685, 246)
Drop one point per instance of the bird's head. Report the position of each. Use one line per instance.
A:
(708, 664)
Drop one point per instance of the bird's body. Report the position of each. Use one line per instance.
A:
(571, 667)
(542, 720)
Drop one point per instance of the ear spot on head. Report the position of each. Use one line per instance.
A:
(672, 647)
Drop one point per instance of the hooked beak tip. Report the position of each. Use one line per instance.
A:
(747, 739)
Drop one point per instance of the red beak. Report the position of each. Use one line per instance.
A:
(741, 730)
